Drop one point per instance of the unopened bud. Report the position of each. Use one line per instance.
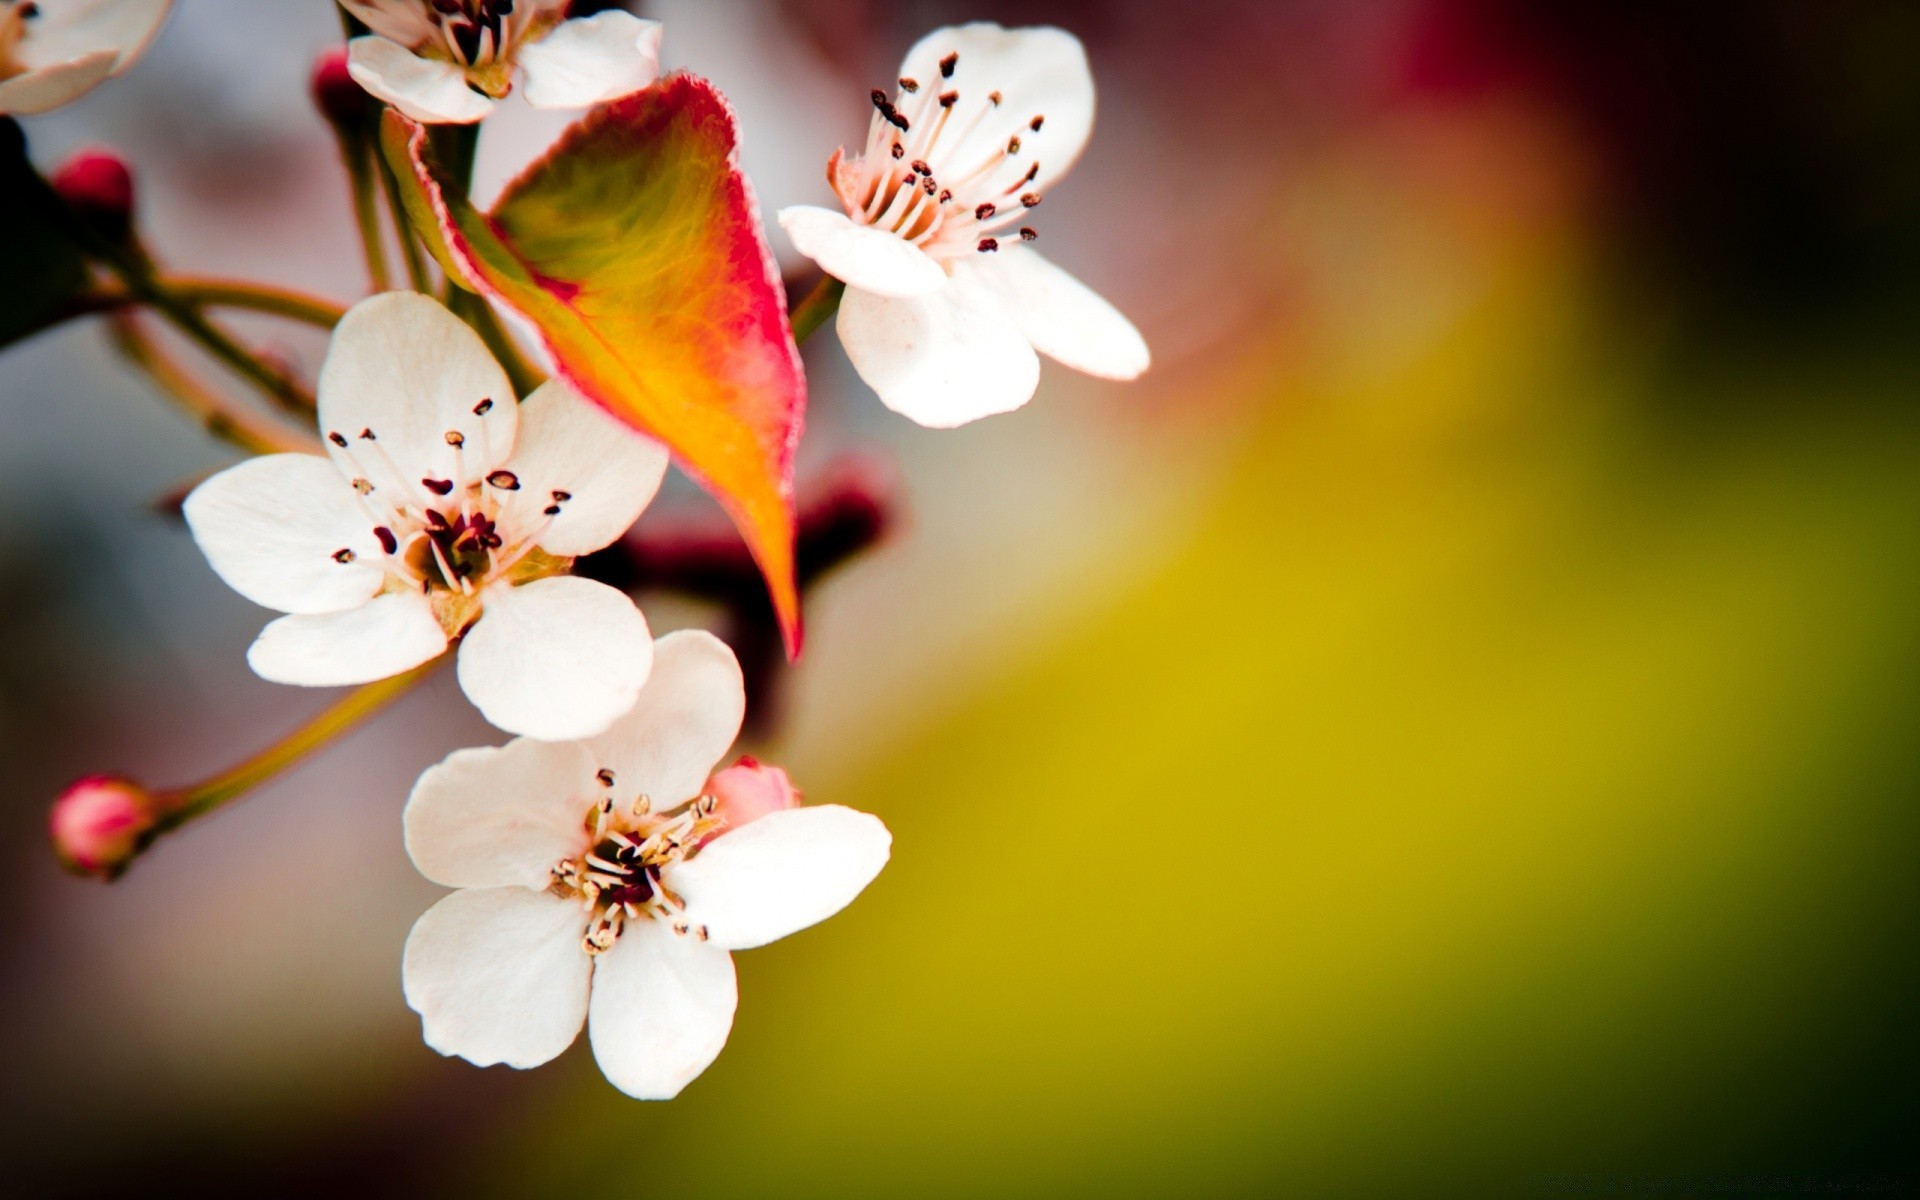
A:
(98, 187)
(749, 790)
(343, 102)
(101, 823)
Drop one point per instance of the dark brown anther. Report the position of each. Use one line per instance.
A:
(437, 520)
(388, 542)
(993, 98)
(439, 487)
(363, 486)
(927, 183)
(483, 408)
(1028, 233)
(989, 245)
(899, 122)
(1036, 123)
(366, 435)
(984, 211)
(909, 85)
(1032, 172)
(560, 497)
(605, 777)
(920, 165)
(1013, 145)
(1031, 199)
(947, 65)
(945, 195)
(338, 440)
(899, 151)
(552, 510)
(343, 555)
(949, 99)
(29, 10)
(456, 439)
(506, 481)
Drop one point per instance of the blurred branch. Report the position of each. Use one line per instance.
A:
(239, 426)
(814, 309)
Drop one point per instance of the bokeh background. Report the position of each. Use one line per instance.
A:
(1449, 730)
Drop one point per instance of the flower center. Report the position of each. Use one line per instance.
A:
(479, 36)
(444, 537)
(16, 18)
(925, 175)
(619, 879)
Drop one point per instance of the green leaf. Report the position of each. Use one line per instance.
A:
(634, 249)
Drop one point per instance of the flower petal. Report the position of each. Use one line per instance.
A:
(407, 24)
(66, 32)
(661, 1010)
(686, 717)
(570, 447)
(943, 360)
(498, 975)
(274, 528)
(385, 636)
(590, 59)
(1064, 319)
(404, 368)
(49, 87)
(1035, 72)
(781, 873)
(495, 817)
(426, 89)
(556, 658)
(870, 259)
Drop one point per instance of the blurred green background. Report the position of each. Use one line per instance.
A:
(1449, 731)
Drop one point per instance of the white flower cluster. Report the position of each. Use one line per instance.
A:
(605, 867)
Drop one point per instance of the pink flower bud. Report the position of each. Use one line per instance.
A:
(97, 185)
(340, 100)
(100, 823)
(749, 790)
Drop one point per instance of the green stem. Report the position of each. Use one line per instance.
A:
(206, 292)
(184, 804)
(409, 247)
(358, 157)
(242, 427)
(819, 304)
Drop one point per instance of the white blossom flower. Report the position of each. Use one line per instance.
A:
(606, 881)
(443, 510)
(946, 303)
(55, 51)
(448, 61)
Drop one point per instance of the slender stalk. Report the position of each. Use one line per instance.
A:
(409, 247)
(242, 427)
(214, 293)
(184, 804)
(358, 157)
(813, 310)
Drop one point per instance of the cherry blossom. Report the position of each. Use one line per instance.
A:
(442, 511)
(53, 52)
(449, 61)
(946, 300)
(599, 882)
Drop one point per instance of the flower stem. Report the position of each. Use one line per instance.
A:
(819, 304)
(409, 247)
(184, 804)
(239, 426)
(359, 159)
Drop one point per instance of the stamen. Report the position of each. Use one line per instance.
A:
(343, 555)
(909, 85)
(483, 408)
(605, 777)
(1028, 233)
(949, 99)
(456, 439)
(994, 99)
(338, 439)
(388, 542)
(439, 487)
(947, 65)
(506, 481)
(989, 245)
(1037, 122)
(983, 211)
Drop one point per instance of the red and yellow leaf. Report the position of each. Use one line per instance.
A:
(634, 248)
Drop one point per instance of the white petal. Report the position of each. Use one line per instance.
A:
(1038, 72)
(1064, 319)
(661, 1011)
(781, 873)
(385, 636)
(556, 658)
(272, 526)
(607, 469)
(405, 368)
(590, 59)
(426, 89)
(498, 817)
(862, 256)
(49, 87)
(686, 717)
(943, 360)
(68, 30)
(498, 975)
(407, 24)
